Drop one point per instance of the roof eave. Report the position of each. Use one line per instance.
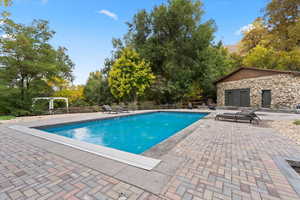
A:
(258, 69)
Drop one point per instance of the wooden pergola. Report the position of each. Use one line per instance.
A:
(51, 102)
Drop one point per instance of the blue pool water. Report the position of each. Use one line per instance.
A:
(134, 134)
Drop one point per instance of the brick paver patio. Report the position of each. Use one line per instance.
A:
(231, 161)
(221, 160)
(28, 172)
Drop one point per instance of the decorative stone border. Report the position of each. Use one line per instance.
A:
(292, 176)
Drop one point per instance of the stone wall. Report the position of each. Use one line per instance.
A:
(285, 90)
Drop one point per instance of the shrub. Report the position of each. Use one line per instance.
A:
(7, 117)
(21, 112)
(297, 122)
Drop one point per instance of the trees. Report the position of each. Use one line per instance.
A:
(96, 90)
(256, 35)
(28, 62)
(278, 28)
(261, 57)
(5, 2)
(176, 42)
(179, 47)
(130, 76)
(268, 58)
(274, 40)
(281, 17)
(118, 46)
(218, 63)
(73, 93)
(289, 60)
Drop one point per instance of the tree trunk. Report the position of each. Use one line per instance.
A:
(135, 101)
(22, 92)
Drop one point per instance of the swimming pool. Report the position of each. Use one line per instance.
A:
(134, 133)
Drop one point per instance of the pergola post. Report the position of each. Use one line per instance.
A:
(51, 106)
(51, 102)
(67, 104)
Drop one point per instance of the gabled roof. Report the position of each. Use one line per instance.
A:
(256, 69)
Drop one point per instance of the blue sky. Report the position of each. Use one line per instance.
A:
(87, 27)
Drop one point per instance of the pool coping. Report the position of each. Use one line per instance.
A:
(143, 161)
(135, 160)
(168, 144)
(291, 175)
(156, 178)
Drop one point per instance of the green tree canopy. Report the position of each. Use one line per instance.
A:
(177, 43)
(278, 29)
(130, 76)
(260, 57)
(268, 58)
(257, 34)
(274, 41)
(96, 90)
(28, 62)
(5, 2)
(74, 93)
(281, 18)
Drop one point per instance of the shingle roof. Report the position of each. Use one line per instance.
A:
(257, 69)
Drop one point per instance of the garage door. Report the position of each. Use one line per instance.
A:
(237, 97)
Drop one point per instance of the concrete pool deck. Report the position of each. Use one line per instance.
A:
(217, 160)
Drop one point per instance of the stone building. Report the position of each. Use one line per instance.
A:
(264, 88)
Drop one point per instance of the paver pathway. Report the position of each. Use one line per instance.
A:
(231, 161)
(221, 160)
(28, 172)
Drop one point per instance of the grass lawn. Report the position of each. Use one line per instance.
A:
(7, 117)
(297, 122)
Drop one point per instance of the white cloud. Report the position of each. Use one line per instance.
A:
(244, 29)
(6, 36)
(109, 14)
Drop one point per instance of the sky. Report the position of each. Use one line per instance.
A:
(86, 27)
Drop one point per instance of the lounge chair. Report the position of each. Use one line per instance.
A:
(108, 109)
(298, 108)
(211, 107)
(240, 116)
(122, 109)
